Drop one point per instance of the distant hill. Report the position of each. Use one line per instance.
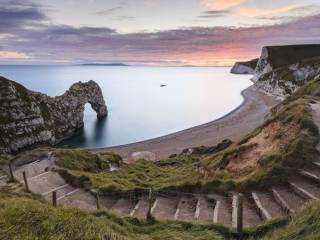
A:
(105, 64)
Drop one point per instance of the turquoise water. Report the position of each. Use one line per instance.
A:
(139, 108)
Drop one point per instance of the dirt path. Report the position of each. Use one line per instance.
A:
(233, 126)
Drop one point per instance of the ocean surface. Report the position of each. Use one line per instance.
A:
(139, 108)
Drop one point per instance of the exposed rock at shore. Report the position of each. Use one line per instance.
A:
(28, 118)
(245, 67)
(280, 70)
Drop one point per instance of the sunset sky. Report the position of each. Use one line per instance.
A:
(153, 32)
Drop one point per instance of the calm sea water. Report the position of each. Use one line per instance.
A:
(138, 107)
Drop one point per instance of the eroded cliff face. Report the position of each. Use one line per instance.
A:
(285, 80)
(280, 70)
(28, 118)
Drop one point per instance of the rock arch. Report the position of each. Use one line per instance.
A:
(29, 118)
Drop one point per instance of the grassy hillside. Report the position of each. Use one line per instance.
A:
(283, 144)
(285, 55)
(25, 218)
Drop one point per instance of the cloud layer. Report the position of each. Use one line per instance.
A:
(32, 36)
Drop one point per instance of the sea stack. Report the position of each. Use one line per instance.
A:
(28, 118)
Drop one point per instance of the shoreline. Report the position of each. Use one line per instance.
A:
(233, 125)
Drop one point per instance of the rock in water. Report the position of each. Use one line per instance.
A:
(28, 118)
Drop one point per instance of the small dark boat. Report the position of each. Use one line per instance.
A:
(163, 85)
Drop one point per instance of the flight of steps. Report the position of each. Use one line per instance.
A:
(43, 181)
(258, 206)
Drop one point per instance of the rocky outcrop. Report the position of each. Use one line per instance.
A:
(244, 67)
(275, 57)
(280, 70)
(28, 118)
(285, 80)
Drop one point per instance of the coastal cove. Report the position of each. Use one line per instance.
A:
(191, 97)
(234, 125)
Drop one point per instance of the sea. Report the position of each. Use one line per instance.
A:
(143, 102)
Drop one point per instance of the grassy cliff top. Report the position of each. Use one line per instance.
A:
(251, 63)
(289, 54)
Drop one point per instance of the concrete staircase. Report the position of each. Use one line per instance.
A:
(258, 206)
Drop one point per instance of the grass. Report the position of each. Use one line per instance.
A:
(83, 160)
(305, 224)
(285, 55)
(25, 218)
(251, 63)
(5, 159)
(208, 168)
(140, 176)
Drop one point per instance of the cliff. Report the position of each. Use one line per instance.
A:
(28, 118)
(280, 70)
(245, 67)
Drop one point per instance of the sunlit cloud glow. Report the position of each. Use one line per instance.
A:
(222, 4)
(257, 12)
(6, 55)
(27, 33)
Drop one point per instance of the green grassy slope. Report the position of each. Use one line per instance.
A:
(285, 55)
(25, 218)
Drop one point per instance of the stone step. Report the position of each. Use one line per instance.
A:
(222, 212)
(312, 174)
(287, 199)
(164, 208)
(186, 209)
(267, 205)
(205, 209)
(305, 188)
(123, 206)
(251, 216)
(317, 164)
(45, 182)
(61, 191)
(107, 201)
(141, 208)
(79, 198)
(32, 169)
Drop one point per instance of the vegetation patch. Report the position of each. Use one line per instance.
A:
(45, 112)
(275, 150)
(83, 160)
(305, 224)
(25, 218)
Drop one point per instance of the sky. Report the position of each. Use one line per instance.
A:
(151, 32)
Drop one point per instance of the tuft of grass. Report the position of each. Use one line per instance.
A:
(171, 173)
(83, 160)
